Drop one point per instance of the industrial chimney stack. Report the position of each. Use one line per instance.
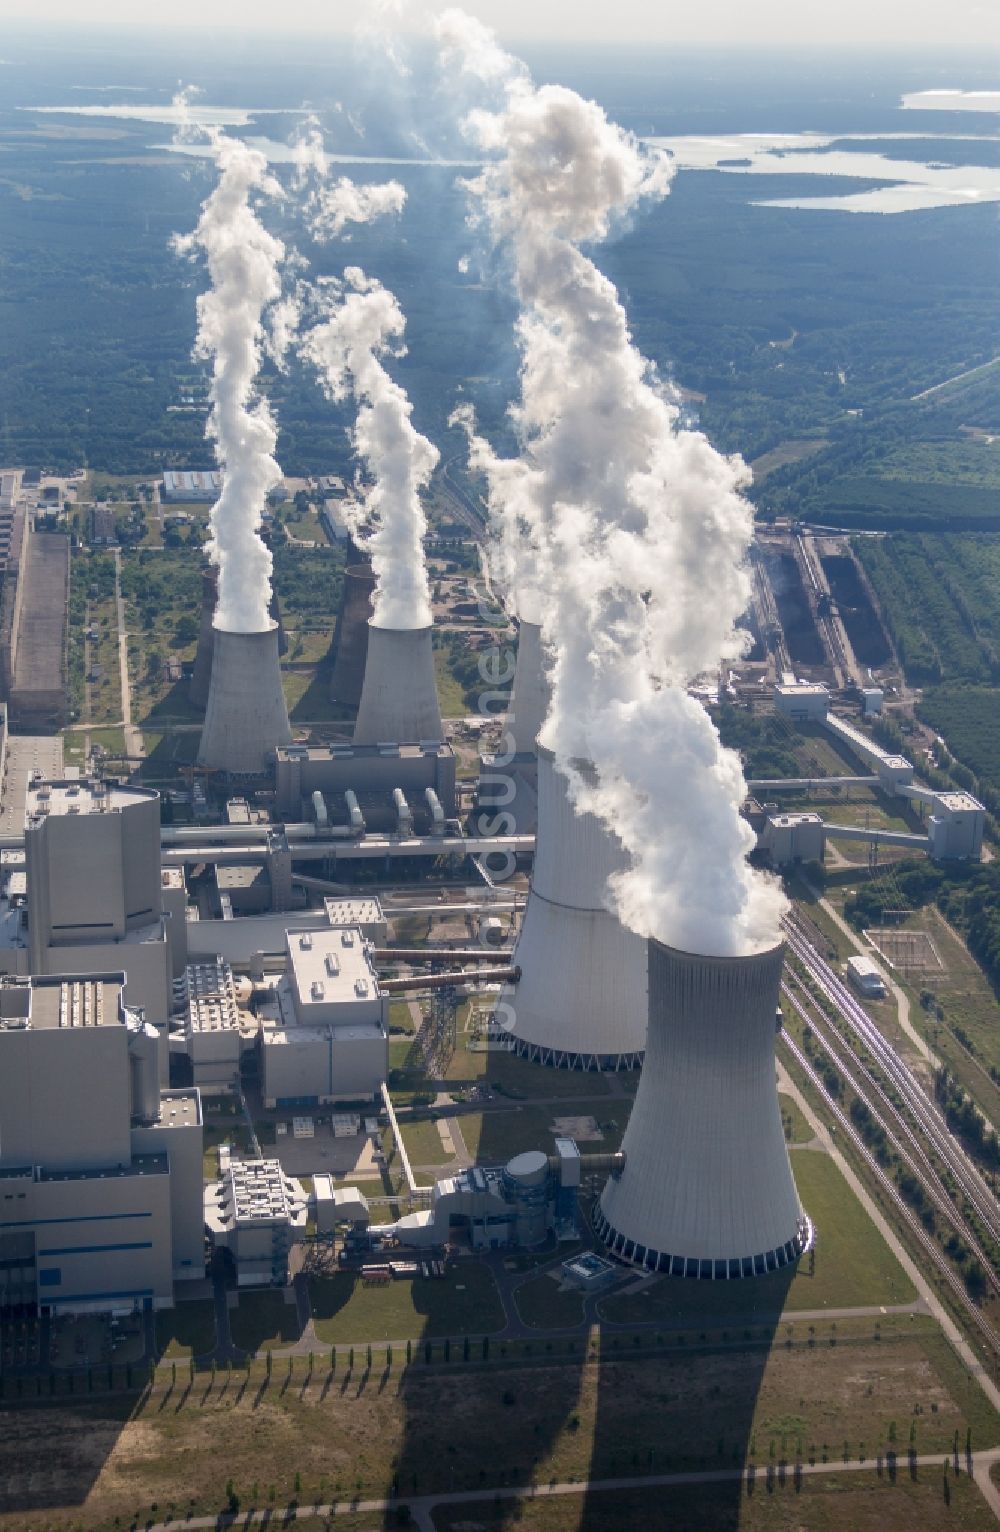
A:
(707, 1188)
(399, 699)
(246, 715)
(581, 999)
(529, 693)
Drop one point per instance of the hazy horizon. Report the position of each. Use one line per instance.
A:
(901, 25)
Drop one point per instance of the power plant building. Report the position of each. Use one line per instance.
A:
(357, 783)
(95, 891)
(581, 999)
(329, 1042)
(706, 1190)
(100, 1170)
(258, 1213)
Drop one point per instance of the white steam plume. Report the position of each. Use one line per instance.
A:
(639, 526)
(329, 208)
(365, 324)
(243, 265)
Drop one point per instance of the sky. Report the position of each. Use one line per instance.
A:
(908, 25)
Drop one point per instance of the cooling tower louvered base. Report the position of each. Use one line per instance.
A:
(707, 1189)
(581, 999)
(246, 715)
(399, 700)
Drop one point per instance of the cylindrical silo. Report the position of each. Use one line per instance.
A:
(581, 999)
(246, 715)
(399, 699)
(144, 1071)
(707, 1188)
(350, 636)
(526, 1184)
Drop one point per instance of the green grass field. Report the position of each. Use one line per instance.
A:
(854, 1267)
(541, 1303)
(188, 1329)
(263, 1320)
(463, 1302)
(834, 1502)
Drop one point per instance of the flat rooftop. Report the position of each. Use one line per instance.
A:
(258, 1191)
(959, 802)
(353, 912)
(179, 1109)
(47, 1004)
(82, 796)
(347, 752)
(331, 967)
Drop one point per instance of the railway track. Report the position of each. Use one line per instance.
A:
(929, 1245)
(903, 1138)
(922, 1109)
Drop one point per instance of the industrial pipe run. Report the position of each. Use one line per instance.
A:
(435, 954)
(443, 980)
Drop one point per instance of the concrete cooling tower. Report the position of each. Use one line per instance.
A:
(350, 636)
(399, 697)
(246, 715)
(581, 999)
(707, 1188)
(530, 691)
(202, 674)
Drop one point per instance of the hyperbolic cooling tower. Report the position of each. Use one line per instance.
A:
(246, 715)
(707, 1187)
(581, 999)
(350, 636)
(399, 697)
(202, 674)
(529, 692)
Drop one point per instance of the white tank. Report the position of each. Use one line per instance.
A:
(707, 1188)
(245, 717)
(581, 999)
(399, 699)
(530, 691)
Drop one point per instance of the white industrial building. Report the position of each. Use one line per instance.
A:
(257, 1212)
(707, 1189)
(100, 1169)
(791, 838)
(357, 786)
(329, 1041)
(805, 702)
(867, 977)
(581, 1000)
(187, 485)
(956, 827)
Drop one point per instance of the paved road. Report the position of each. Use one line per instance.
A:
(423, 1506)
(133, 736)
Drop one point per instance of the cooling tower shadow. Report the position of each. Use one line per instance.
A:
(678, 1394)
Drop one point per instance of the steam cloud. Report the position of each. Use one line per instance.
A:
(243, 264)
(330, 208)
(365, 324)
(637, 525)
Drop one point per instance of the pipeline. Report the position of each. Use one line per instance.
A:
(443, 980)
(434, 954)
(593, 1164)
